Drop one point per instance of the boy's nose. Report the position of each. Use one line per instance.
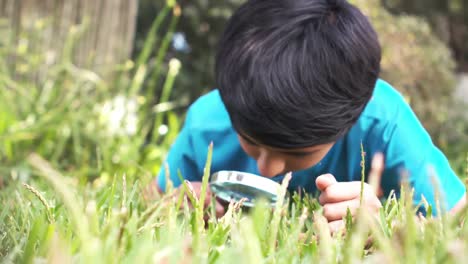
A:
(270, 166)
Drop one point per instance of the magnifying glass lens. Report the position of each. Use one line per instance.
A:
(234, 186)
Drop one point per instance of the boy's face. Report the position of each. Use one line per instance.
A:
(273, 161)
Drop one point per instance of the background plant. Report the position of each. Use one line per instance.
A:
(82, 123)
(89, 127)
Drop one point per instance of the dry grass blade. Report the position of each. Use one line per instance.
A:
(69, 199)
(41, 198)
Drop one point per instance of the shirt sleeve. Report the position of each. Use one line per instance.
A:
(181, 157)
(410, 151)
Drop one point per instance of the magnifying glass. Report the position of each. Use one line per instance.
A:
(235, 185)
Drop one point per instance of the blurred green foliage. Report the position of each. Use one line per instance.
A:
(421, 66)
(85, 125)
(449, 18)
(50, 221)
(201, 22)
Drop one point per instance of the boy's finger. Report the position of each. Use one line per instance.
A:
(151, 192)
(342, 191)
(324, 181)
(219, 210)
(336, 211)
(336, 226)
(375, 174)
(207, 200)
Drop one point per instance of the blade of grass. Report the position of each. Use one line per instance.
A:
(77, 216)
(275, 222)
(206, 176)
(174, 67)
(153, 82)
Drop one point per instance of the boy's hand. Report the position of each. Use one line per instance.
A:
(196, 187)
(337, 197)
(153, 191)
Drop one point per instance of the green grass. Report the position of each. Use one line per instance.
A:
(55, 220)
(72, 185)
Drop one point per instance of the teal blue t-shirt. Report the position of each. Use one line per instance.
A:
(387, 125)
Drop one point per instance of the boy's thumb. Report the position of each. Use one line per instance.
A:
(323, 181)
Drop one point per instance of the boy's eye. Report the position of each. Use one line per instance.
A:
(298, 154)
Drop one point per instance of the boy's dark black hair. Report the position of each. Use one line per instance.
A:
(297, 73)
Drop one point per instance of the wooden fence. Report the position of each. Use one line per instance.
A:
(107, 38)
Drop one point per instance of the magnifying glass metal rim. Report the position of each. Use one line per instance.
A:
(221, 179)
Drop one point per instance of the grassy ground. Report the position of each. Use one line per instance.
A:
(53, 219)
(77, 152)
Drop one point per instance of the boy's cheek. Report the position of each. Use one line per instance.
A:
(251, 151)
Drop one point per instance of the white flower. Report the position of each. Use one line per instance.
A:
(119, 115)
(163, 129)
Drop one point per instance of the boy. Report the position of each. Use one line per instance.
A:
(299, 91)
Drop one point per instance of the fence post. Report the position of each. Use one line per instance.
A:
(107, 39)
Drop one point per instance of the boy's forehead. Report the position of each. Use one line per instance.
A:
(305, 150)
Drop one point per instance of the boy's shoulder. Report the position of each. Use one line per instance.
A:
(208, 113)
(384, 104)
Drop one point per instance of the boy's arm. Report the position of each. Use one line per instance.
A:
(181, 157)
(459, 206)
(411, 151)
